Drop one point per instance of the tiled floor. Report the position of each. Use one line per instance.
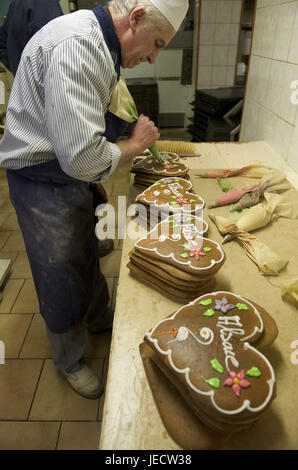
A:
(38, 409)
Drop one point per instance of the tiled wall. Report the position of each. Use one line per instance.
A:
(269, 113)
(219, 34)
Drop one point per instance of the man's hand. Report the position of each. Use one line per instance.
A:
(144, 134)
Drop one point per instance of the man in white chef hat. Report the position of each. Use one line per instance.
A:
(145, 27)
(60, 139)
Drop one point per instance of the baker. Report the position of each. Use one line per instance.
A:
(24, 18)
(60, 139)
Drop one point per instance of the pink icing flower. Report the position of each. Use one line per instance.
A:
(196, 253)
(169, 167)
(182, 200)
(237, 381)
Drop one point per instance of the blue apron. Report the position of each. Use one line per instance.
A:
(56, 215)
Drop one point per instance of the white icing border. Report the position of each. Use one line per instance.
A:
(175, 159)
(186, 371)
(172, 255)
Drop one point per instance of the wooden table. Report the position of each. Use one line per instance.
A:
(130, 419)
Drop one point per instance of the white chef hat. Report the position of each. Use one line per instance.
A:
(174, 10)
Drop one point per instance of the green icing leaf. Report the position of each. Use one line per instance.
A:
(213, 382)
(242, 306)
(206, 302)
(225, 185)
(175, 166)
(173, 203)
(162, 185)
(217, 366)
(185, 246)
(192, 200)
(176, 225)
(184, 255)
(174, 197)
(207, 249)
(209, 313)
(253, 372)
(189, 218)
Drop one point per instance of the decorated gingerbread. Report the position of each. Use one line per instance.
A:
(172, 195)
(170, 166)
(206, 349)
(178, 240)
(177, 259)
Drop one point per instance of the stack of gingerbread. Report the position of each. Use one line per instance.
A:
(206, 371)
(168, 196)
(176, 259)
(149, 169)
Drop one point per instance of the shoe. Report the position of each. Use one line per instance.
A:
(105, 247)
(85, 383)
(104, 323)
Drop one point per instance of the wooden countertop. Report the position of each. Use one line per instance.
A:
(130, 418)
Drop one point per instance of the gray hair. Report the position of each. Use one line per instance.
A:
(154, 18)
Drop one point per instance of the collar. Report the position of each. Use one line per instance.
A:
(104, 18)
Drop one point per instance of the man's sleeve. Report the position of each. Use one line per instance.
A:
(77, 90)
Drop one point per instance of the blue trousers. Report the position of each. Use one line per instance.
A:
(56, 216)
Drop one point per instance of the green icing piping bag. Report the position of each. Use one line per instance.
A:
(123, 106)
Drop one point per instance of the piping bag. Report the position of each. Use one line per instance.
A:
(289, 287)
(274, 206)
(268, 262)
(251, 171)
(123, 106)
(251, 195)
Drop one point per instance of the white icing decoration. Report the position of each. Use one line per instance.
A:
(174, 187)
(186, 371)
(184, 332)
(207, 334)
(167, 191)
(169, 158)
(227, 326)
(199, 240)
(156, 193)
(176, 237)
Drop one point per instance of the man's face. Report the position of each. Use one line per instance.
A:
(140, 45)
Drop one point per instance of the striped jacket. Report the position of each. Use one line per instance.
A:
(59, 99)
